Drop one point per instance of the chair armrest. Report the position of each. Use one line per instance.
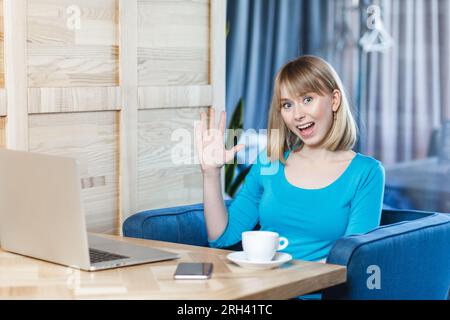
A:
(411, 259)
(182, 224)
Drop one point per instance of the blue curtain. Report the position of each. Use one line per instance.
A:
(263, 35)
(398, 97)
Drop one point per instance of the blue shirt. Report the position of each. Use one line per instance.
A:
(311, 219)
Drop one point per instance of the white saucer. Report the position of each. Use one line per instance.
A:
(240, 259)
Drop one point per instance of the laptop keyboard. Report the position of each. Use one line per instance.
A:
(102, 256)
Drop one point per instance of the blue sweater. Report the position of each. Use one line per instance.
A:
(311, 219)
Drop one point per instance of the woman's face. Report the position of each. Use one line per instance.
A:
(310, 116)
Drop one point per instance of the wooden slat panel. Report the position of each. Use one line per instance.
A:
(170, 97)
(173, 42)
(218, 54)
(218, 60)
(61, 53)
(52, 22)
(186, 23)
(73, 66)
(128, 115)
(3, 102)
(160, 188)
(163, 179)
(92, 138)
(46, 100)
(2, 132)
(2, 59)
(16, 78)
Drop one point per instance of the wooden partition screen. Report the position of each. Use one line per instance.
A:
(3, 108)
(118, 85)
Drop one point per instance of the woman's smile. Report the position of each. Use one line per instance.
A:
(306, 130)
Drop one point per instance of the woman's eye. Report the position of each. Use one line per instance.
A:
(286, 105)
(307, 100)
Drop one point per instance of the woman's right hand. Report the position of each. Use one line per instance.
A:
(212, 153)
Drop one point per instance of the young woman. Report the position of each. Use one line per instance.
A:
(309, 186)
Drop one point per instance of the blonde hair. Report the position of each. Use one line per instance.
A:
(300, 76)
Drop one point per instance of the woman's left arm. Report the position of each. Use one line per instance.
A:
(365, 213)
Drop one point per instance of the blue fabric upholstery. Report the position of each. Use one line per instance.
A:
(180, 224)
(183, 224)
(411, 250)
(412, 256)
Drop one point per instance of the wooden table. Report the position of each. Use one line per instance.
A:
(424, 182)
(26, 278)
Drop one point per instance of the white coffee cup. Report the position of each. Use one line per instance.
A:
(260, 246)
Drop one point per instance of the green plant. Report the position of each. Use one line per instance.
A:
(235, 128)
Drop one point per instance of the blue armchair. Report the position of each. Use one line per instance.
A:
(407, 257)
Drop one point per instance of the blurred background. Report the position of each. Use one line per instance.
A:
(394, 59)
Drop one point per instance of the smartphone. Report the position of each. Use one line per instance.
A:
(196, 270)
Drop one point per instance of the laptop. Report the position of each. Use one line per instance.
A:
(41, 216)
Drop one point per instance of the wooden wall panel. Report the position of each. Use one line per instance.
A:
(3, 102)
(177, 79)
(16, 80)
(218, 53)
(129, 113)
(73, 67)
(2, 51)
(162, 182)
(72, 43)
(173, 42)
(92, 138)
(80, 88)
(175, 96)
(2, 132)
(48, 100)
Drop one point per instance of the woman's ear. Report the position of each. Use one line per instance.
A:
(336, 99)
